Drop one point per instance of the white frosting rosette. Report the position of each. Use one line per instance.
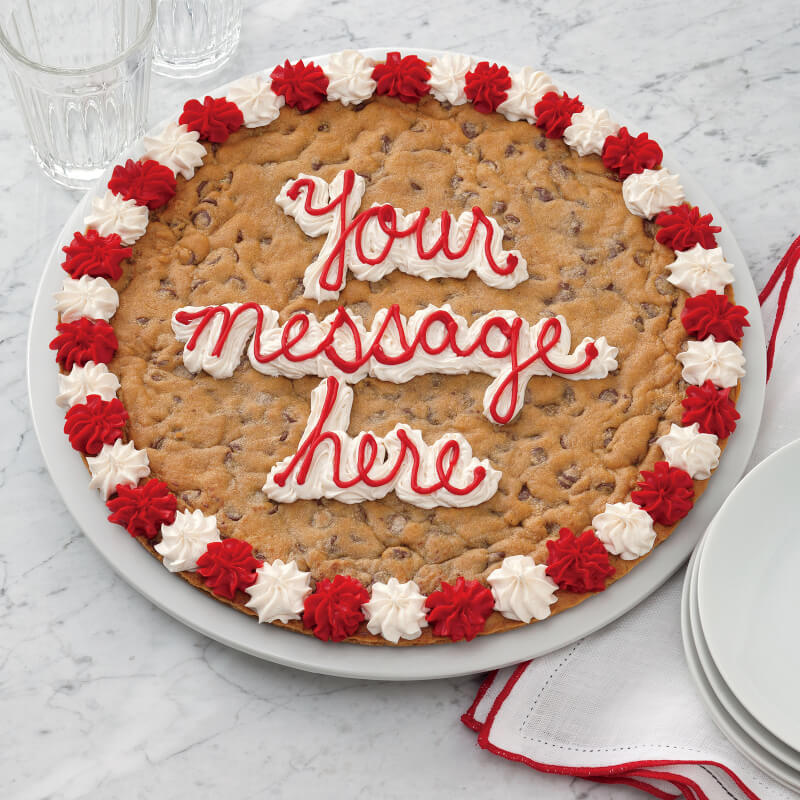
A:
(588, 130)
(86, 297)
(111, 214)
(254, 97)
(688, 449)
(448, 77)
(651, 191)
(395, 610)
(279, 591)
(722, 363)
(176, 147)
(350, 77)
(528, 87)
(80, 382)
(625, 530)
(117, 463)
(698, 270)
(522, 589)
(186, 539)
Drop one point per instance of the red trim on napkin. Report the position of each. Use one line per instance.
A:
(630, 773)
(785, 269)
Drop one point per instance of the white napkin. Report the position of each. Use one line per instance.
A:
(618, 706)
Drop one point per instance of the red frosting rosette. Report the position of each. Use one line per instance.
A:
(711, 408)
(682, 227)
(215, 119)
(227, 566)
(94, 423)
(303, 86)
(578, 563)
(712, 314)
(487, 86)
(460, 610)
(148, 183)
(666, 493)
(84, 340)
(333, 611)
(403, 78)
(554, 113)
(142, 510)
(631, 155)
(95, 255)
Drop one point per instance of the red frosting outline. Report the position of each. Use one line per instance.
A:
(142, 510)
(303, 86)
(711, 408)
(215, 119)
(460, 610)
(683, 227)
(631, 155)
(578, 563)
(333, 612)
(487, 86)
(95, 255)
(96, 422)
(84, 340)
(227, 566)
(405, 78)
(666, 493)
(554, 113)
(712, 314)
(147, 182)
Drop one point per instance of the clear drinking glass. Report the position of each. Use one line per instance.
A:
(195, 37)
(80, 70)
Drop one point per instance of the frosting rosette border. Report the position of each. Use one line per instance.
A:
(649, 191)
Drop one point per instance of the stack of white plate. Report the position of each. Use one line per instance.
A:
(741, 616)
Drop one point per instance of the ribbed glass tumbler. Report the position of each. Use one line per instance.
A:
(80, 70)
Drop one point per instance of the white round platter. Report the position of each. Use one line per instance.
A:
(237, 630)
(749, 725)
(748, 593)
(725, 713)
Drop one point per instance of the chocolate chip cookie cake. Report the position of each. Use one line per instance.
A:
(397, 351)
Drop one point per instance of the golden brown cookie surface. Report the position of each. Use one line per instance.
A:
(575, 446)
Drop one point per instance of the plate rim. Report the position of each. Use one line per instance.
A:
(784, 730)
(722, 718)
(746, 721)
(234, 629)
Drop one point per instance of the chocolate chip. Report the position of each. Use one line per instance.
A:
(200, 186)
(562, 440)
(323, 127)
(143, 320)
(650, 228)
(608, 396)
(158, 444)
(638, 323)
(233, 514)
(470, 130)
(400, 553)
(386, 143)
(568, 477)
(202, 219)
(608, 435)
(512, 219)
(545, 195)
(455, 180)
(283, 436)
(511, 151)
(538, 456)
(416, 187)
(492, 165)
(605, 488)
(588, 259)
(210, 200)
(663, 286)
(524, 493)
(498, 207)
(541, 143)
(316, 164)
(239, 236)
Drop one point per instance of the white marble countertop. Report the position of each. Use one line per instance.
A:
(104, 696)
